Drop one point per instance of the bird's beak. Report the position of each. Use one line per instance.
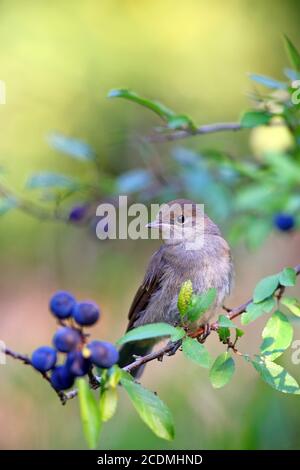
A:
(153, 224)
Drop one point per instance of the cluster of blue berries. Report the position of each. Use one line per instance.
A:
(71, 340)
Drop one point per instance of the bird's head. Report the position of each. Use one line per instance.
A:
(184, 221)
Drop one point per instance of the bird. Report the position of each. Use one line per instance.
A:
(193, 249)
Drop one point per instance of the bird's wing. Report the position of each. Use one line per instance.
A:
(150, 284)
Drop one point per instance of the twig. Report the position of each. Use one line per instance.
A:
(280, 293)
(235, 312)
(93, 380)
(25, 359)
(20, 357)
(205, 129)
(30, 207)
(168, 349)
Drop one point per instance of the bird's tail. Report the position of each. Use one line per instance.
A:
(129, 351)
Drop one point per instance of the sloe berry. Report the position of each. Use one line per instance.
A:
(103, 354)
(66, 339)
(77, 364)
(61, 378)
(284, 222)
(62, 304)
(43, 358)
(86, 313)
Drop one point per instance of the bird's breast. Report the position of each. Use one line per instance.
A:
(205, 272)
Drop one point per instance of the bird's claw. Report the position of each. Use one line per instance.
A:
(205, 333)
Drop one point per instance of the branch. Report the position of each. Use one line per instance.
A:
(168, 350)
(25, 359)
(205, 129)
(31, 208)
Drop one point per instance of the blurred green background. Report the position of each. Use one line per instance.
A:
(59, 59)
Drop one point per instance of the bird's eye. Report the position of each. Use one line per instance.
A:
(180, 219)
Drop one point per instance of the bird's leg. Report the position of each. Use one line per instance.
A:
(205, 333)
(201, 333)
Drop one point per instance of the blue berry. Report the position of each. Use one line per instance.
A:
(103, 354)
(284, 222)
(86, 313)
(77, 213)
(66, 339)
(62, 304)
(61, 378)
(77, 364)
(43, 358)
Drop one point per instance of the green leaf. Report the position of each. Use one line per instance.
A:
(225, 322)
(51, 180)
(151, 409)
(276, 376)
(292, 304)
(222, 370)
(73, 147)
(90, 416)
(254, 311)
(257, 232)
(238, 229)
(200, 304)
(252, 119)
(265, 288)
(287, 277)
(181, 121)
(224, 334)
(239, 333)
(108, 403)
(115, 374)
(153, 330)
(184, 297)
(126, 376)
(252, 196)
(293, 54)
(133, 181)
(285, 167)
(179, 334)
(196, 352)
(277, 336)
(8, 203)
(268, 81)
(158, 108)
(291, 74)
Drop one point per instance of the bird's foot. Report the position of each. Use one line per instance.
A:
(206, 332)
(201, 333)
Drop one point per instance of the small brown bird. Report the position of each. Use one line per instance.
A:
(193, 249)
